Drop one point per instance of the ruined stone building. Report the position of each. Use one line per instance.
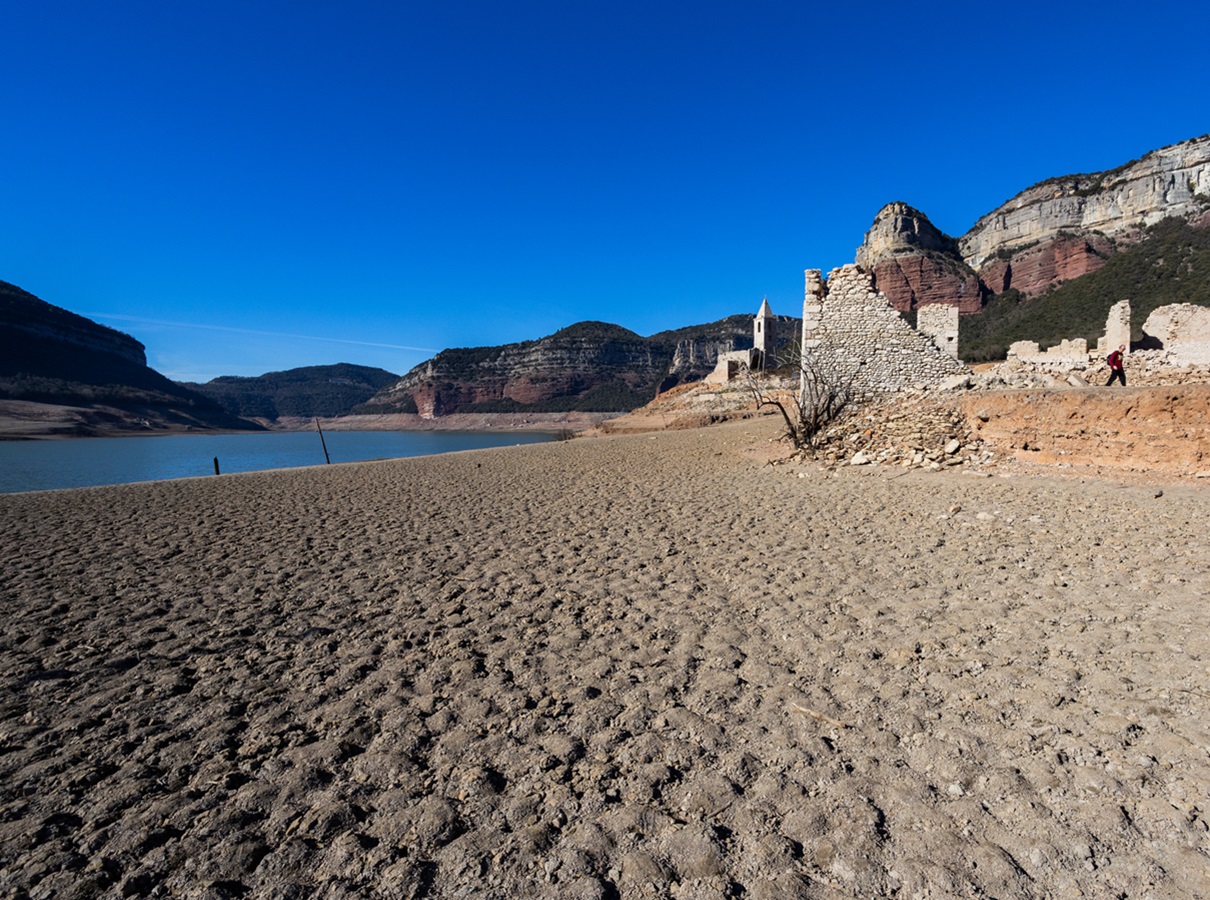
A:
(856, 336)
(1073, 353)
(762, 354)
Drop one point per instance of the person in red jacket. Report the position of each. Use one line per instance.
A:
(1117, 367)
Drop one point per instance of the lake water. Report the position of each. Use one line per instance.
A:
(85, 462)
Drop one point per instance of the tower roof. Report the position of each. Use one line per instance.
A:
(765, 309)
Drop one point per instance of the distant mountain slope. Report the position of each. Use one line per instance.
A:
(308, 391)
(53, 356)
(587, 367)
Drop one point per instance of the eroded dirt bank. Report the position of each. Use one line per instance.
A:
(1162, 431)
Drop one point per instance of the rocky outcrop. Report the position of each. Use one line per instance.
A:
(1035, 270)
(87, 379)
(1171, 181)
(914, 264)
(24, 317)
(590, 367)
(596, 363)
(1056, 231)
(900, 230)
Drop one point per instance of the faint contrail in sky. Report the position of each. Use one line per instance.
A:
(282, 334)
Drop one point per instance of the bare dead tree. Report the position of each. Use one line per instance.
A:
(824, 394)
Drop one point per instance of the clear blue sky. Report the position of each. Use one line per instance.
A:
(251, 186)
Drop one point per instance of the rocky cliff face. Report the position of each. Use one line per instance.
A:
(914, 263)
(583, 367)
(1053, 232)
(590, 367)
(910, 282)
(899, 230)
(1034, 270)
(24, 316)
(1166, 182)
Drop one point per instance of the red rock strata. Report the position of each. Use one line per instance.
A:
(912, 281)
(1035, 271)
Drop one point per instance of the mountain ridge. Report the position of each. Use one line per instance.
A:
(1009, 274)
(1052, 232)
(56, 358)
(587, 367)
(306, 391)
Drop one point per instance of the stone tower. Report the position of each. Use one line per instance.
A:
(763, 338)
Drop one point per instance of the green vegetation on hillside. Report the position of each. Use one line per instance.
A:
(594, 331)
(1170, 265)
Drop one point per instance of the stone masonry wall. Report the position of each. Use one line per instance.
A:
(1183, 331)
(854, 332)
(939, 321)
(1072, 353)
(1117, 329)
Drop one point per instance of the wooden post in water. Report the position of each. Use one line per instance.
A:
(327, 459)
(216, 465)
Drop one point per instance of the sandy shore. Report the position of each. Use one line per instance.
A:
(635, 666)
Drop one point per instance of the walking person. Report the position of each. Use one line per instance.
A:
(1117, 366)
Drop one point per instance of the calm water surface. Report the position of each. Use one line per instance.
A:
(84, 462)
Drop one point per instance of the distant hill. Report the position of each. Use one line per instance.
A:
(308, 391)
(49, 355)
(586, 367)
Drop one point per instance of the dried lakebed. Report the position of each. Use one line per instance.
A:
(622, 667)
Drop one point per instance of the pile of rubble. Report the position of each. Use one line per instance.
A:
(911, 431)
(1150, 368)
(1153, 368)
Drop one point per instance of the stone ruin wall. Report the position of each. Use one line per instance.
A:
(852, 328)
(939, 321)
(1066, 354)
(731, 365)
(1183, 332)
(1073, 354)
(1117, 329)
(1175, 350)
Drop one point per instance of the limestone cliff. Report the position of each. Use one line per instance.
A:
(1055, 231)
(1171, 181)
(913, 263)
(900, 230)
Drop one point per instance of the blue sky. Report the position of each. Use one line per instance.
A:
(252, 186)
